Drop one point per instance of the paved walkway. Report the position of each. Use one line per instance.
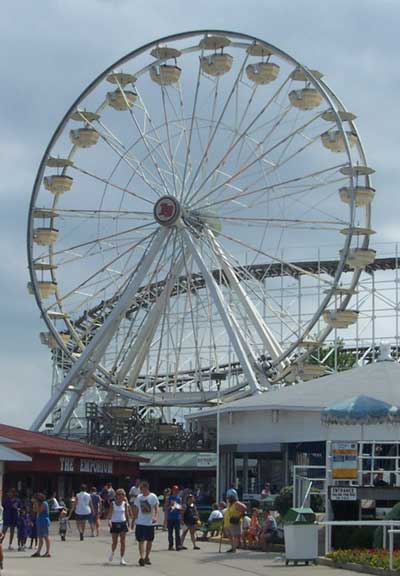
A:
(89, 558)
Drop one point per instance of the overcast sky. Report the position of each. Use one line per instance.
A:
(51, 49)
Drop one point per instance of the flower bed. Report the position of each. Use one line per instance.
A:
(375, 557)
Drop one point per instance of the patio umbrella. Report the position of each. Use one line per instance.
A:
(360, 410)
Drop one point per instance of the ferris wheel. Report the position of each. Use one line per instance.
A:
(184, 176)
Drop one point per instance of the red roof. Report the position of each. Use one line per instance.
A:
(36, 442)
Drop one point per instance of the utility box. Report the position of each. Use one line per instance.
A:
(301, 536)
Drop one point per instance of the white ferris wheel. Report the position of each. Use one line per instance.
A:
(186, 174)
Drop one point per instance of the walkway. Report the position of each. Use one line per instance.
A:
(89, 558)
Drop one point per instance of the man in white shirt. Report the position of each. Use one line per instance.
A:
(134, 492)
(145, 516)
(83, 508)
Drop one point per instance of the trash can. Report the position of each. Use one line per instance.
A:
(301, 536)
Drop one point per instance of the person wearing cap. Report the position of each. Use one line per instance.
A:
(174, 515)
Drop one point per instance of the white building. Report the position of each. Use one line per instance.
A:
(263, 436)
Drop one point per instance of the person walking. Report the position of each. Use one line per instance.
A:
(42, 525)
(174, 515)
(94, 520)
(191, 520)
(83, 509)
(134, 492)
(119, 514)
(145, 516)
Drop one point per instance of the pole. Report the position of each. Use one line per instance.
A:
(217, 480)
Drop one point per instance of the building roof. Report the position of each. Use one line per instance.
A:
(39, 443)
(379, 380)
(10, 455)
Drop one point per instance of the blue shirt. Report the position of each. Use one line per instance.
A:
(174, 513)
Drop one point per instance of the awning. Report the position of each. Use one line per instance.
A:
(9, 455)
(177, 460)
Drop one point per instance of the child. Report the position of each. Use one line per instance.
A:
(246, 521)
(63, 523)
(254, 528)
(22, 529)
(32, 531)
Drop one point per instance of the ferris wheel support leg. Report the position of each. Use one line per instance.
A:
(137, 354)
(227, 317)
(82, 370)
(266, 336)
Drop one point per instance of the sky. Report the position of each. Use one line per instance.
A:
(51, 50)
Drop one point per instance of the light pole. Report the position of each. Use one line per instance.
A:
(218, 377)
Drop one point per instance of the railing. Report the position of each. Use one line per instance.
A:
(385, 524)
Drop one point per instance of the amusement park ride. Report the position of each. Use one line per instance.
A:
(179, 224)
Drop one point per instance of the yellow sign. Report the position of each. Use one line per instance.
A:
(344, 460)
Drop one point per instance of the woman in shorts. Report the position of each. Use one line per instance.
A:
(83, 509)
(191, 520)
(119, 514)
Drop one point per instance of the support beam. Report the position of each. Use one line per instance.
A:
(230, 323)
(83, 369)
(136, 356)
(269, 341)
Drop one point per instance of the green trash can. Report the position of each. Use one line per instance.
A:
(301, 536)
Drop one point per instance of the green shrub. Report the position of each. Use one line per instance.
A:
(284, 500)
(394, 514)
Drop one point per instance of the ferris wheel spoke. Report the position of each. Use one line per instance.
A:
(297, 269)
(188, 162)
(126, 156)
(240, 138)
(147, 146)
(163, 155)
(97, 240)
(215, 130)
(117, 146)
(104, 267)
(103, 213)
(113, 185)
(245, 192)
(136, 356)
(251, 163)
(169, 145)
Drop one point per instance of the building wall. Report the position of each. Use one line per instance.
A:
(268, 426)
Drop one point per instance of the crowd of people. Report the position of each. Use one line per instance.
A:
(29, 520)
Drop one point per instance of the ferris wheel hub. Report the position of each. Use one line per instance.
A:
(167, 210)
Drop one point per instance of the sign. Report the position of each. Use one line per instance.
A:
(96, 466)
(344, 460)
(87, 465)
(343, 493)
(251, 496)
(66, 464)
(206, 460)
(167, 210)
